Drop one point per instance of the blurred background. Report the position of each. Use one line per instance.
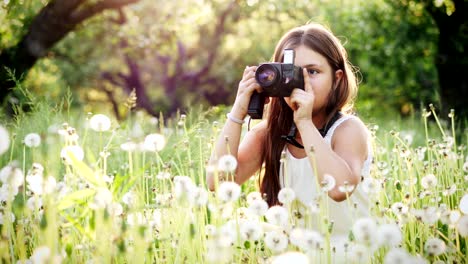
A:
(178, 54)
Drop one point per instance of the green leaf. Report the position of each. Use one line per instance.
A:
(86, 172)
(78, 197)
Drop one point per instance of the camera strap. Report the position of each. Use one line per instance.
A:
(291, 137)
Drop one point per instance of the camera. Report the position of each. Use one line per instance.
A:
(277, 80)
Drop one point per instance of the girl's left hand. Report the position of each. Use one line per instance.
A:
(303, 100)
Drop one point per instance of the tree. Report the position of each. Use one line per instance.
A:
(53, 22)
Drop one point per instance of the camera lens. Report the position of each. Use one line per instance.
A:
(266, 75)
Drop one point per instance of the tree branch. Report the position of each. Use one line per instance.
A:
(82, 14)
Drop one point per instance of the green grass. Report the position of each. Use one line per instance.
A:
(117, 206)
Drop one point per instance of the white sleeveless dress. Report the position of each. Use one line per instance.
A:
(298, 175)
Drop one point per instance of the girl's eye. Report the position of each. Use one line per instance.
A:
(311, 72)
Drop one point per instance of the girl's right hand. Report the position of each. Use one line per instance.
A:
(247, 86)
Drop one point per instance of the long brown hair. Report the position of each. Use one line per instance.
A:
(280, 115)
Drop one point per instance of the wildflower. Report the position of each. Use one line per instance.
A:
(312, 240)
(396, 256)
(115, 209)
(464, 204)
(428, 215)
(429, 181)
(370, 185)
(216, 252)
(253, 196)
(454, 216)
(276, 241)
(163, 175)
(199, 196)
(291, 257)
(102, 199)
(154, 142)
(71, 151)
(462, 226)
(359, 254)
(286, 195)
(129, 146)
(389, 235)
(364, 230)
(129, 198)
(41, 255)
(399, 208)
(328, 183)
(183, 187)
(32, 140)
(7, 192)
(229, 191)
(4, 140)
(258, 207)
(277, 215)
(100, 123)
(227, 163)
(450, 190)
(34, 203)
(12, 175)
(434, 246)
(251, 230)
(227, 234)
(38, 185)
(346, 187)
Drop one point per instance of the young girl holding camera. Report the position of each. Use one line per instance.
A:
(341, 155)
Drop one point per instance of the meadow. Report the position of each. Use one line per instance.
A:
(82, 187)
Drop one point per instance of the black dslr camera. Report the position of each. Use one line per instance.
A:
(277, 80)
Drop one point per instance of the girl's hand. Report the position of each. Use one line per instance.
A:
(303, 100)
(247, 86)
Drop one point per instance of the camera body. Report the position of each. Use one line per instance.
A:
(277, 80)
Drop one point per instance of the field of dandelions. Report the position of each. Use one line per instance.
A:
(85, 188)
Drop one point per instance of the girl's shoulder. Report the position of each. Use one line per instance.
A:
(350, 127)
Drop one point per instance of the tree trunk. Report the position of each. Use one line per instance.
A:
(53, 23)
(452, 58)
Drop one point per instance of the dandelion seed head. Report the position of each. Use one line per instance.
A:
(154, 142)
(370, 185)
(129, 199)
(389, 235)
(129, 146)
(2, 218)
(429, 181)
(251, 230)
(277, 241)
(291, 257)
(253, 196)
(286, 195)
(116, 209)
(32, 140)
(346, 187)
(464, 204)
(364, 230)
(4, 140)
(434, 246)
(34, 203)
(102, 198)
(12, 175)
(454, 216)
(397, 256)
(328, 183)
(462, 226)
(399, 208)
(359, 253)
(199, 196)
(277, 215)
(100, 123)
(229, 191)
(71, 151)
(41, 254)
(465, 166)
(227, 163)
(258, 207)
(183, 187)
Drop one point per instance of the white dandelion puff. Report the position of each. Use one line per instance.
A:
(210, 230)
(71, 151)
(462, 226)
(100, 123)
(454, 216)
(129, 146)
(163, 175)
(434, 246)
(251, 230)
(116, 209)
(2, 218)
(183, 187)
(32, 140)
(465, 166)
(258, 207)
(4, 140)
(397, 256)
(346, 187)
(277, 241)
(312, 240)
(429, 181)
(277, 215)
(199, 196)
(364, 230)
(428, 215)
(328, 183)
(12, 176)
(41, 255)
(286, 195)
(370, 185)
(130, 199)
(359, 254)
(154, 142)
(229, 191)
(135, 219)
(227, 163)
(253, 196)
(464, 204)
(389, 235)
(291, 257)
(399, 208)
(102, 198)
(34, 203)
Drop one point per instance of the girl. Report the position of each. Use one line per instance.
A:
(341, 155)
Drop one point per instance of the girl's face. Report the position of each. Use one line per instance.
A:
(320, 73)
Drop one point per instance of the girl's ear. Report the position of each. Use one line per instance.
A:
(338, 76)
